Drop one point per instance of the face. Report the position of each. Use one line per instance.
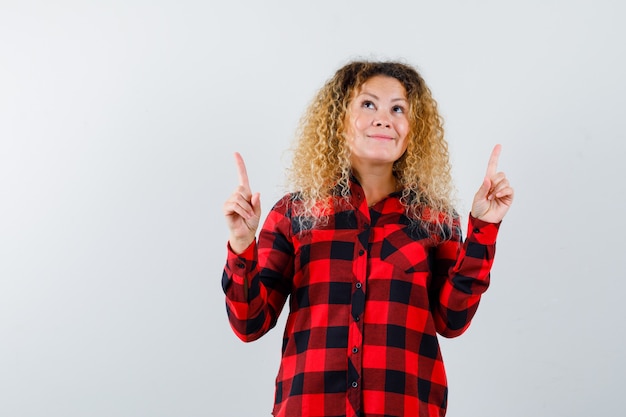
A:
(377, 122)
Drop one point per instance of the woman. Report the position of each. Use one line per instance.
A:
(368, 249)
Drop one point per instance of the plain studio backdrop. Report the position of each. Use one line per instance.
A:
(118, 121)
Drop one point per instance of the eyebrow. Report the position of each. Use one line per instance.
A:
(377, 98)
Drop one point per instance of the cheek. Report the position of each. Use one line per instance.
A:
(359, 123)
(403, 131)
(405, 127)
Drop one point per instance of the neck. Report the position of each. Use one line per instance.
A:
(376, 184)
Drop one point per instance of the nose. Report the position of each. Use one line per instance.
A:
(381, 120)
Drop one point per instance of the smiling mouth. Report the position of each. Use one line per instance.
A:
(381, 137)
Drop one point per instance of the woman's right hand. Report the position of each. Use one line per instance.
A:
(242, 211)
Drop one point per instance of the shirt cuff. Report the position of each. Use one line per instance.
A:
(243, 263)
(482, 232)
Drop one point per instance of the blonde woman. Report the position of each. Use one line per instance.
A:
(367, 249)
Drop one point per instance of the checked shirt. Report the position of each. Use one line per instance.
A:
(368, 292)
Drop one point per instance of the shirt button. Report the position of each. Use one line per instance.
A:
(241, 265)
(358, 285)
(355, 384)
(357, 318)
(355, 350)
(361, 252)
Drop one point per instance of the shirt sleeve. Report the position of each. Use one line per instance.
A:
(461, 274)
(258, 281)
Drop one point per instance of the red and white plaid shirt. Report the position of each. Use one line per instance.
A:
(368, 293)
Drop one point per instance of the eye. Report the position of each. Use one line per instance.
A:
(398, 109)
(368, 104)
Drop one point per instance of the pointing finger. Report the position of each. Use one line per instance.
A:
(241, 170)
(492, 166)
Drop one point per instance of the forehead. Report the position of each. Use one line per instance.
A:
(382, 84)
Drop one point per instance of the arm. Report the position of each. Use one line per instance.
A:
(461, 271)
(461, 275)
(257, 281)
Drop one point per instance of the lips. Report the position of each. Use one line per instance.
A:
(381, 137)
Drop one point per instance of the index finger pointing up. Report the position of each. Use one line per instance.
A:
(492, 166)
(241, 170)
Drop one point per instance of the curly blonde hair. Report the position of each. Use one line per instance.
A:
(320, 170)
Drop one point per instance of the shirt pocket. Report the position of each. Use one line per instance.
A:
(406, 250)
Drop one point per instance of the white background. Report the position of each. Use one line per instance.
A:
(118, 120)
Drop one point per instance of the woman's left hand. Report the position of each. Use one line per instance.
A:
(495, 195)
